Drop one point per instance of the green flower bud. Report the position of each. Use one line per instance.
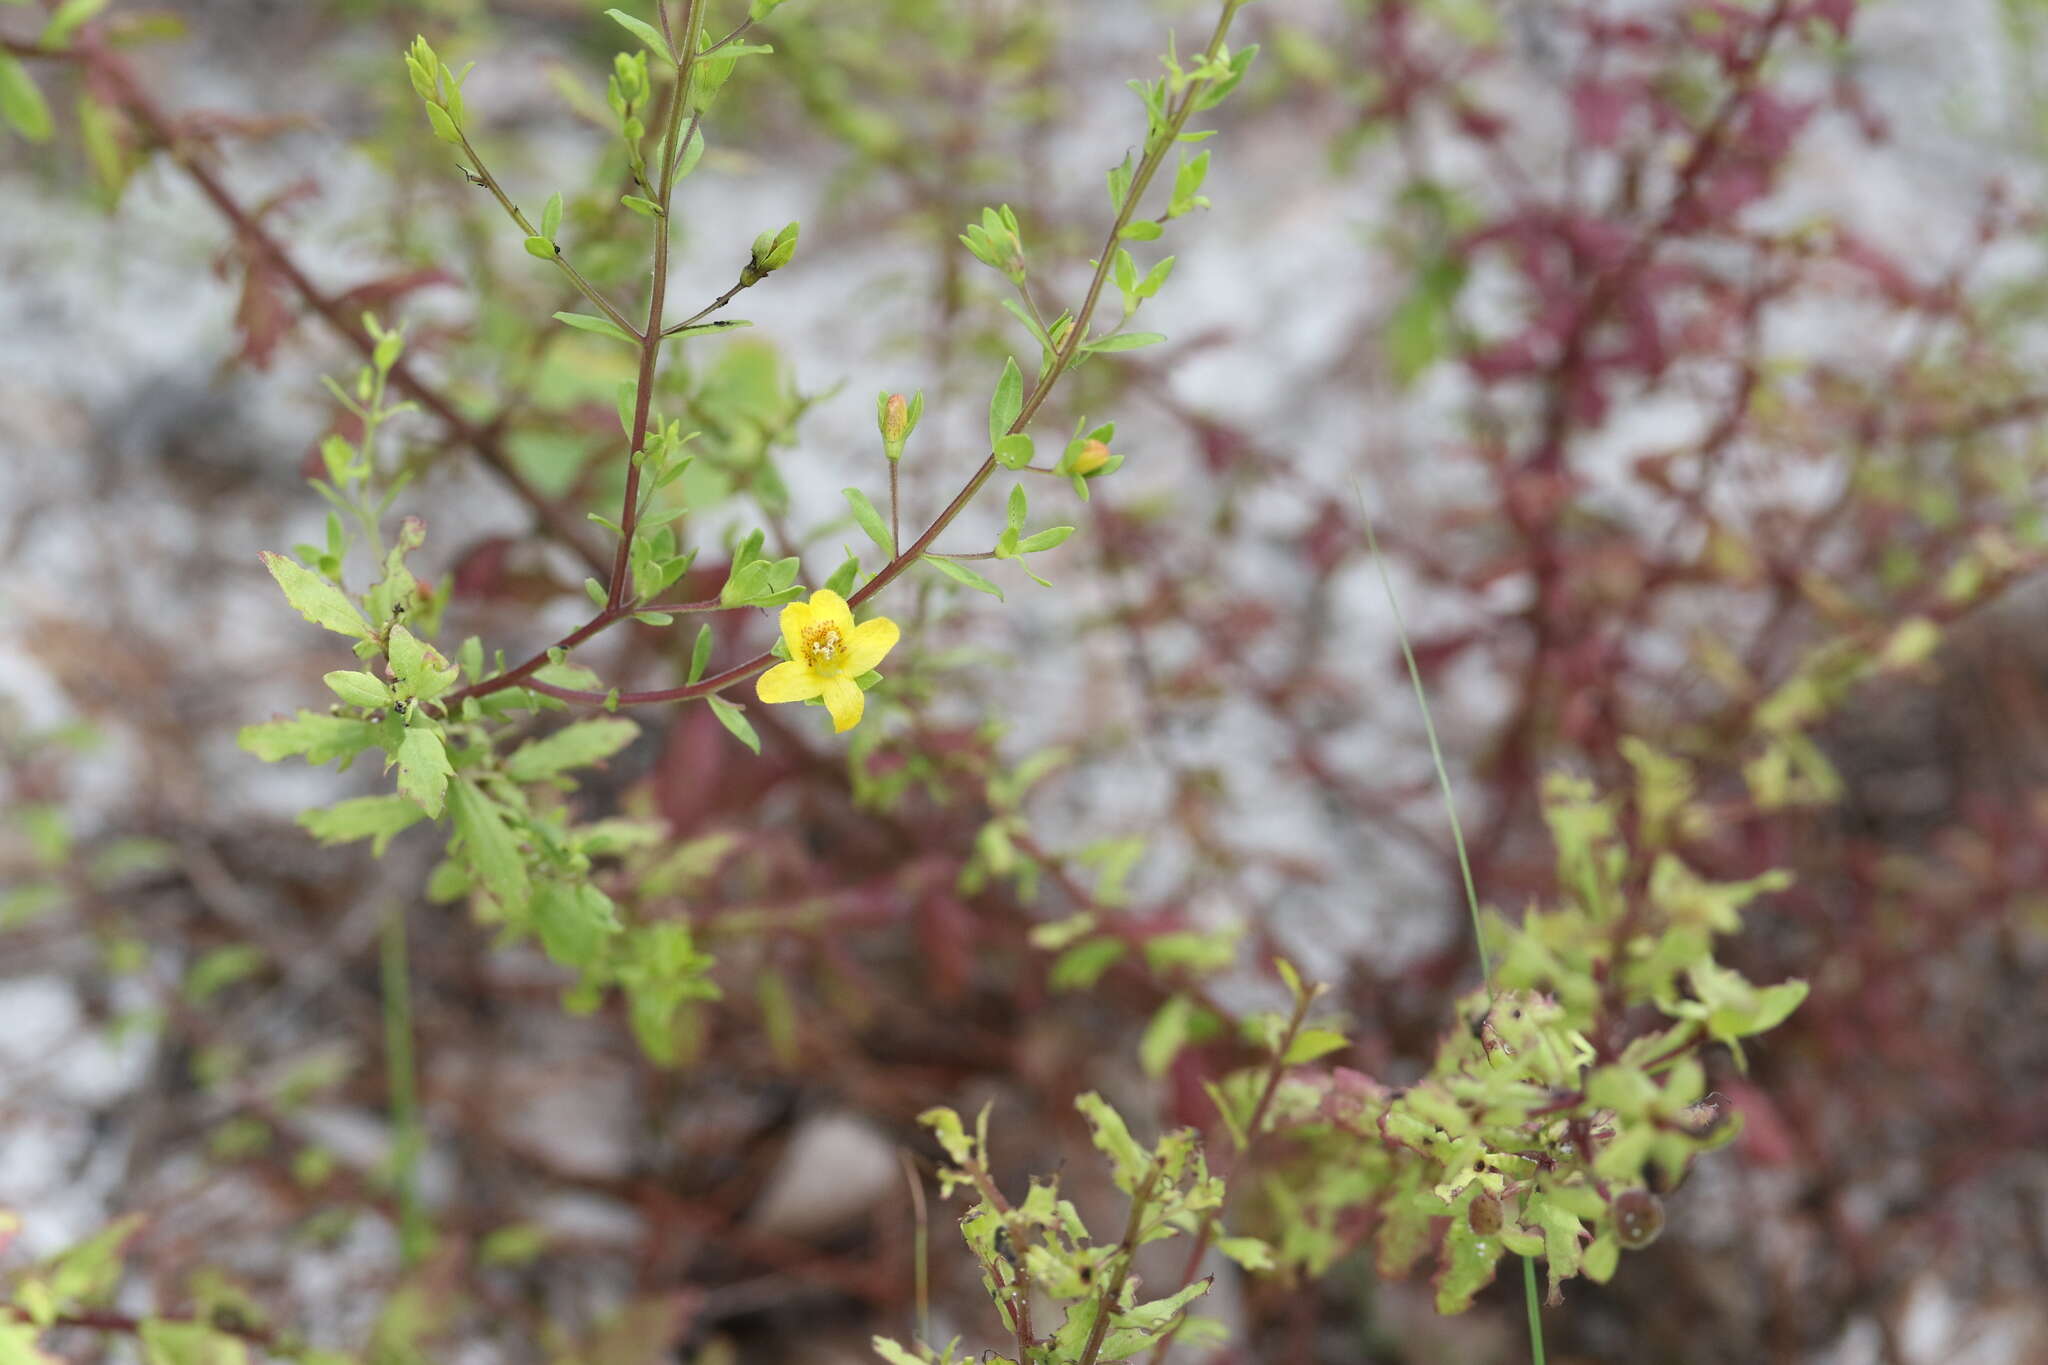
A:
(895, 423)
(1092, 456)
(771, 252)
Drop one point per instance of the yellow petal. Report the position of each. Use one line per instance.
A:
(795, 617)
(844, 699)
(788, 682)
(828, 608)
(871, 640)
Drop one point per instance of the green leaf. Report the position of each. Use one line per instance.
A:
(359, 689)
(1144, 230)
(421, 668)
(731, 717)
(423, 768)
(1249, 1252)
(189, 1343)
(574, 923)
(101, 130)
(1007, 403)
(1124, 341)
(514, 1244)
(321, 739)
(645, 32)
(700, 654)
(316, 599)
(444, 125)
(1119, 184)
(1140, 1328)
(1051, 937)
(1047, 539)
(87, 1272)
(219, 969)
(573, 746)
(1468, 1262)
(661, 969)
(18, 1344)
(488, 845)
(1016, 310)
(1156, 277)
(1081, 966)
(842, 577)
(1165, 1035)
(869, 519)
(604, 327)
(1420, 330)
(537, 246)
(693, 150)
(70, 16)
(960, 573)
(1312, 1043)
(1113, 1139)
(1013, 451)
(551, 216)
(891, 1352)
(22, 103)
(950, 1134)
(377, 818)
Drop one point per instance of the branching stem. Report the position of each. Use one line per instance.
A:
(1141, 178)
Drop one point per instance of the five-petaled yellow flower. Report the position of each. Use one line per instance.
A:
(827, 651)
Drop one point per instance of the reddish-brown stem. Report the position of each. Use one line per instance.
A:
(123, 1324)
(657, 298)
(1112, 1292)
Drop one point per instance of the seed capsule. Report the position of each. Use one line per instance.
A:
(1638, 1218)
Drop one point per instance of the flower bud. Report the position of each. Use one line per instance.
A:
(895, 424)
(1091, 457)
(896, 417)
(772, 251)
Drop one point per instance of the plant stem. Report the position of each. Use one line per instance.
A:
(482, 175)
(1436, 753)
(895, 510)
(1535, 1313)
(1141, 178)
(123, 1324)
(1126, 1251)
(409, 1139)
(1242, 1159)
(1443, 777)
(920, 1244)
(707, 310)
(657, 298)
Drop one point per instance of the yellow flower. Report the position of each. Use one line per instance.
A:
(827, 651)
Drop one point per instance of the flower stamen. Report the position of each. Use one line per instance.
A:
(822, 645)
